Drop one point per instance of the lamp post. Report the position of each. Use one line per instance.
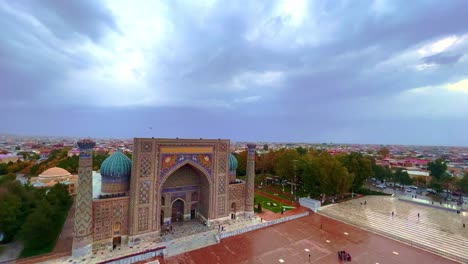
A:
(295, 181)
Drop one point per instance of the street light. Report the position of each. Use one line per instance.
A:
(295, 181)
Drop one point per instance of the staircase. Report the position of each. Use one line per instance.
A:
(436, 231)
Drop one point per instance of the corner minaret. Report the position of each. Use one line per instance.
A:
(249, 197)
(83, 231)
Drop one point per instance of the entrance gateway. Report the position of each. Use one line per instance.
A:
(166, 180)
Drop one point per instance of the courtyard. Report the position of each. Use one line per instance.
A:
(314, 235)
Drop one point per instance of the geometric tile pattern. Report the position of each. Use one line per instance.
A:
(221, 206)
(146, 146)
(222, 184)
(143, 214)
(143, 192)
(83, 226)
(145, 166)
(106, 214)
(169, 161)
(222, 164)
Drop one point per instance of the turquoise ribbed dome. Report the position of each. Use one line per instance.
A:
(116, 168)
(232, 163)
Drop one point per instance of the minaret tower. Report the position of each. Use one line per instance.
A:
(249, 197)
(83, 231)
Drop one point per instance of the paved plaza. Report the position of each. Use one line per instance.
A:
(437, 230)
(293, 241)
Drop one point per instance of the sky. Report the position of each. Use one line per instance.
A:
(379, 72)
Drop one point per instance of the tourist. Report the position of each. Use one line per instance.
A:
(309, 257)
(392, 213)
(365, 202)
(463, 225)
(418, 215)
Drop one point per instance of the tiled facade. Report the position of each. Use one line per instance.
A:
(171, 180)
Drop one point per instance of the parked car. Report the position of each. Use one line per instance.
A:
(409, 190)
(397, 185)
(381, 186)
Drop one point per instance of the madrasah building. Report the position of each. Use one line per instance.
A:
(168, 180)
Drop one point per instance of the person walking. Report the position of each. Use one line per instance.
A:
(418, 215)
(392, 213)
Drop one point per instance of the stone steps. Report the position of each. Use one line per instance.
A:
(394, 228)
(423, 233)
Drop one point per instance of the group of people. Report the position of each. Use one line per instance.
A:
(365, 203)
(344, 256)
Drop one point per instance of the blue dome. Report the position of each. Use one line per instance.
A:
(232, 162)
(116, 168)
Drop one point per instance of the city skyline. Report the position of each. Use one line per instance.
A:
(376, 72)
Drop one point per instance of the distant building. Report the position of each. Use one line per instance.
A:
(6, 158)
(55, 175)
(73, 152)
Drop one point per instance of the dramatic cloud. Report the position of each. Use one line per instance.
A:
(341, 71)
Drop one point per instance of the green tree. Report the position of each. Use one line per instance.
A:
(358, 165)
(37, 230)
(301, 151)
(10, 206)
(334, 177)
(437, 168)
(384, 152)
(241, 163)
(402, 177)
(284, 165)
(310, 169)
(463, 183)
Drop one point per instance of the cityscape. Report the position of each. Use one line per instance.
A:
(186, 132)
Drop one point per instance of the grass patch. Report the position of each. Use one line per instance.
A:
(57, 229)
(270, 204)
(2, 249)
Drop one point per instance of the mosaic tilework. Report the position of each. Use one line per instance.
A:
(143, 214)
(145, 166)
(146, 146)
(222, 184)
(169, 161)
(221, 206)
(223, 147)
(236, 191)
(222, 163)
(143, 193)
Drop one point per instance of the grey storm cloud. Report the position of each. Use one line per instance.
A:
(326, 69)
(442, 58)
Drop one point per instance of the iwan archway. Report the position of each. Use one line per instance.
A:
(185, 195)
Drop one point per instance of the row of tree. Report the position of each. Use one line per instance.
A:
(32, 215)
(57, 158)
(315, 171)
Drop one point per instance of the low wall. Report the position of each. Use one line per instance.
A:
(258, 226)
(312, 204)
(448, 207)
(140, 256)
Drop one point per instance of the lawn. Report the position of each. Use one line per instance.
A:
(2, 248)
(270, 204)
(278, 191)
